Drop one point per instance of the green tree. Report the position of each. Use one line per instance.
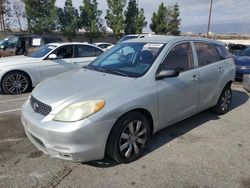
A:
(90, 17)
(175, 21)
(68, 20)
(166, 20)
(140, 21)
(159, 19)
(131, 17)
(41, 15)
(114, 16)
(134, 19)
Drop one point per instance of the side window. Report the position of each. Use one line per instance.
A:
(206, 53)
(88, 51)
(222, 51)
(64, 52)
(97, 52)
(180, 57)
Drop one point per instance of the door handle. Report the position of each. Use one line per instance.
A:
(194, 78)
(220, 69)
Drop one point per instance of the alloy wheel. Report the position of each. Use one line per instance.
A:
(16, 83)
(226, 100)
(133, 139)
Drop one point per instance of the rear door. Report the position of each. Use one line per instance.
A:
(86, 54)
(211, 70)
(178, 96)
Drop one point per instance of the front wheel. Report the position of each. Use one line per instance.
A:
(15, 83)
(224, 101)
(129, 137)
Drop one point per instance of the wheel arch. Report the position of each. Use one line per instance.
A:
(141, 110)
(17, 70)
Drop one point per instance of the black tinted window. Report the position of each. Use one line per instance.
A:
(64, 52)
(180, 57)
(222, 51)
(88, 51)
(206, 53)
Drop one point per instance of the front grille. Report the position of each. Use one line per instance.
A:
(40, 107)
(37, 140)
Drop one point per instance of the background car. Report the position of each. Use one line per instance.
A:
(20, 44)
(133, 36)
(117, 102)
(104, 45)
(19, 73)
(242, 63)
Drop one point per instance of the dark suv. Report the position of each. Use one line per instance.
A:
(20, 44)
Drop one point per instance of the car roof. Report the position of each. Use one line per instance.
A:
(166, 38)
(57, 44)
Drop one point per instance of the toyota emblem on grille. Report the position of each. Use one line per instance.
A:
(35, 106)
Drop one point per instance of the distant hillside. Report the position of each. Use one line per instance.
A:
(224, 28)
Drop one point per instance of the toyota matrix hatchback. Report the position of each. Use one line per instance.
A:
(114, 105)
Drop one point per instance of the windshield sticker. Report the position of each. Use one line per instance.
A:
(151, 45)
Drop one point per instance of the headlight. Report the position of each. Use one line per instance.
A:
(79, 111)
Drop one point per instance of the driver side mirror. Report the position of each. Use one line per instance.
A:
(168, 73)
(52, 56)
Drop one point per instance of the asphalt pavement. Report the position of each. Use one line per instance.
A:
(205, 150)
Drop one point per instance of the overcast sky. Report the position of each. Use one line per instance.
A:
(228, 16)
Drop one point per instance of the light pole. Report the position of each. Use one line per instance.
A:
(209, 18)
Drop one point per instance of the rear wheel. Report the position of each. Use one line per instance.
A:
(224, 101)
(15, 82)
(129, 137)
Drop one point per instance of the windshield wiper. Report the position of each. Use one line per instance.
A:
(112, 71)
(106, 70)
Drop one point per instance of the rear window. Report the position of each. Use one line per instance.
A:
(222, 51)
(206, 53)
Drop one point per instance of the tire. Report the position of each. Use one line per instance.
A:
(224, 101)
(15, 82)
(129, 137)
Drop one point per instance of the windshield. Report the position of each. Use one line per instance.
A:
(246, 52)
(127, 59)
(41, 52)
(11, 42)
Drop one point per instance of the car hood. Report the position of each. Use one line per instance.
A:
(78, 85)
(16, 60)
(242, 60)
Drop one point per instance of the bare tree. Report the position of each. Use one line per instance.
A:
(18, 12)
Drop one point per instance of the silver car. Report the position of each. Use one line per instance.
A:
(114, 105)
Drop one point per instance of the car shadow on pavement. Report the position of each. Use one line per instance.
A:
(174, 131)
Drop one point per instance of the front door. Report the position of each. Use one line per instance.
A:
(178, 96)
(64, 62)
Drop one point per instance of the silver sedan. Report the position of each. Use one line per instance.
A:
(117, 102)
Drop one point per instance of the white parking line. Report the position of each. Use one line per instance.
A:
(13, 140)
(13, 100)
(13, 110)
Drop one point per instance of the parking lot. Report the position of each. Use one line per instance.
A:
(205, 150)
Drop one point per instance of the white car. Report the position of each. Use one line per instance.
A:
(104, 45)
(20, 73)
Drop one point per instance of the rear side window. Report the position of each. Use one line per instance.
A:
(206, 53)
(180, 57)
(88, 51)
(222, 51)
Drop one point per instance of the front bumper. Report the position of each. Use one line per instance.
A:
(77, 141)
